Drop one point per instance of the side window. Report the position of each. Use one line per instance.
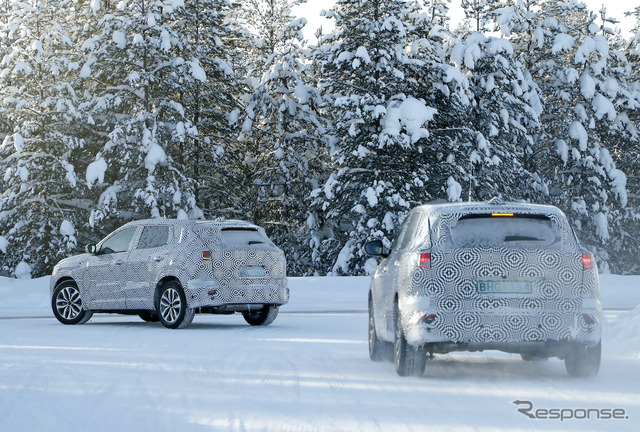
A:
(428, 233)
(153, 236)
(118, 242)
(410, 230)
(400, 235)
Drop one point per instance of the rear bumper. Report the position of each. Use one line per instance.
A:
(424, 323)
(209, 292)
(531, 350)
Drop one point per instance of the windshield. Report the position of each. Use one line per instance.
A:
(510, 231)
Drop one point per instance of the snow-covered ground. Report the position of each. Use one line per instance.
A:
(308, 371)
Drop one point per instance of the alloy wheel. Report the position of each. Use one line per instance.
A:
(170, 305)
(69, 303)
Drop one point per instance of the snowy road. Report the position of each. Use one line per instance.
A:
(308, 371)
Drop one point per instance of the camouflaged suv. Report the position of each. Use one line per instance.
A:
(485, 276)
(169, 270)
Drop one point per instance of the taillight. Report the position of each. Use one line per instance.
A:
(587, 262)
(502, 214)
(429, 319)
(425, 260)
(206, 255)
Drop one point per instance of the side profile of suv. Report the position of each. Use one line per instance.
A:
(485, 276)
(168, 270)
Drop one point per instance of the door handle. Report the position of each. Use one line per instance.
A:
(158, 258)
(119, 262)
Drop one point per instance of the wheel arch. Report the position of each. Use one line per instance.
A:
(60, 280)
(64, 279)
(161, 282)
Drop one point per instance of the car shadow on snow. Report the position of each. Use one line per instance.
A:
(114, 322)
(464, 367)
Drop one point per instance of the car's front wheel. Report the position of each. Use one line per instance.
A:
(173, 311)
(409, 360)
(261, 317)
(582, 360)
(66, 303)
(379, 350)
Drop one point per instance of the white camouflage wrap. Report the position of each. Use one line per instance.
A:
(236, 273)
(561, 289)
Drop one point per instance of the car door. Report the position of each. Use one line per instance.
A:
(146, 261)
(406, 256)
(105, 270)
(385, 276)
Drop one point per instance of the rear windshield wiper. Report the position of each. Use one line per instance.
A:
(513, 238)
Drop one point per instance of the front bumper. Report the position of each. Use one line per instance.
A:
(209, 292)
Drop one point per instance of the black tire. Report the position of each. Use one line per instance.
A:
(149, 316)
(379, 350)
(172, 307)
(582, 360)
(261, 317)
(66, 304)
(408, 360)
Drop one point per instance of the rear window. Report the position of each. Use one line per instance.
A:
(242, 236)
(153, 236)
(506, 230)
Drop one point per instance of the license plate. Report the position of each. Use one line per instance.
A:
(251, 272)
(511, 287)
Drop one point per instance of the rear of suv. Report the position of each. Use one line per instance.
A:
(485, 276)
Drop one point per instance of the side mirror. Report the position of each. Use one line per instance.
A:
(375, 248)
(90, 249)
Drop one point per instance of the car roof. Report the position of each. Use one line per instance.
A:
(221, 223)
(493, 206)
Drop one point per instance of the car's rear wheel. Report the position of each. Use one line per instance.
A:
(66, 303)
(408, 359)
(149, 316)
(172, 307)
(582, 360)
(261, 317)
(379, 350)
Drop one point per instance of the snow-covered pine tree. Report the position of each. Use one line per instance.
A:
(267, 24)
(281, 131)
(207, 88)
(623, 141)
(41, 205)
(578, 75)
(502, 116)
(5, 48)
(369, 78)
(520, 22)
(480, 13)
(130, 53)
(438, 11)
(633, 47)
(629, 158)
(446, 157)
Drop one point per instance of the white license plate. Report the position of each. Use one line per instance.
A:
(251, 272)
(509, 287)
